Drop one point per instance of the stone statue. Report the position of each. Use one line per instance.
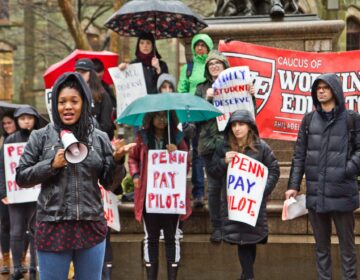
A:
(276, 8)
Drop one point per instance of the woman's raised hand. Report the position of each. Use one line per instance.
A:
(171, 148)
(136, 182)
(59, 160)
(156, 64)
(122, 66)
(121, 148)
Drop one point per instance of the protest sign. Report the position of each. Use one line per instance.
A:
(245, 185)
(111, 210)
(166, 182)
(231, 93)
(129, 85)
(15, 194)
(283, 80)
(48, 102)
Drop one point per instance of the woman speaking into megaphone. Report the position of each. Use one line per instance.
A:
(70, 216)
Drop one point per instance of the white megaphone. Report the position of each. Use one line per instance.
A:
(75, 151)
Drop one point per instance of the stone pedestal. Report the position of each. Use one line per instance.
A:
(294, 32)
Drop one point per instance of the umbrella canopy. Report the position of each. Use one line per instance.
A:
(162, 18)
(109, 59)
(188, 108)
(11, 107)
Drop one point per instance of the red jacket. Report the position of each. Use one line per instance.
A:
(138, 161)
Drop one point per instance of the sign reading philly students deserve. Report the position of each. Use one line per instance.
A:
(129, 85)
(166, 182)
(245, 185)
(231, 93)
(15, 194)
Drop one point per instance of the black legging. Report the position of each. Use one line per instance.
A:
(247, 255)
(21, 215)
(153, 223)
(4, 228)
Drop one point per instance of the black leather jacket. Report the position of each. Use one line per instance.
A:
(71, 192)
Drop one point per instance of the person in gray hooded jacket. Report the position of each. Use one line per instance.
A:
(329, 155)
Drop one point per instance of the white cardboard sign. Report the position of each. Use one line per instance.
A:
(245, 185)
(231, 93)
(166, 182)
(15, 194)
(129, 85)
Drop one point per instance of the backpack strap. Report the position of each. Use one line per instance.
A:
(189, 68)
(308, 117)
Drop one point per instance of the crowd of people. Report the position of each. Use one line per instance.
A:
(67, 222)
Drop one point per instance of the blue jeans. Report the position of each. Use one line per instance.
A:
(88, 263)
(197, 176)
(216, 195)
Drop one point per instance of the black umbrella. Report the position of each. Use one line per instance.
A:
(162, 18)
(11, 107)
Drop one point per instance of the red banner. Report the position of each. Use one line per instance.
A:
(283, 79)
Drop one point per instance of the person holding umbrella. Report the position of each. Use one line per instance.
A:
(155, 136)
(21, 214)
(242, 136)
(147, 54)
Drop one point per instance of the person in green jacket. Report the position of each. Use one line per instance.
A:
(192, 73)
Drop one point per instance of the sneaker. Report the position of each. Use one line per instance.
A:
(162, 234)
(180, 233)
(198, 202)
(23, 268)
(216, 236)
(4, 269)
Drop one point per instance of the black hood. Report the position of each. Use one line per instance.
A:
(334, 82)
(243, 116)
(27, 110)
(85, 94)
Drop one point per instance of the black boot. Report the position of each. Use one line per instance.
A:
(32, 273)
(106, 271)
(172, 269)
(152, 270)
(17, 275)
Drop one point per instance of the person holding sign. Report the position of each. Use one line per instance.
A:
(154, 137)
(147, 54)
(9, 127)
(21, 214)
(70, 222)
(241, 136)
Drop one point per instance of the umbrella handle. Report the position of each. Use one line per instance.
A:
(168, 117)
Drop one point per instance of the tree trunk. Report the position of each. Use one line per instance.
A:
(29, 52)
(119, 44)
(74, 26)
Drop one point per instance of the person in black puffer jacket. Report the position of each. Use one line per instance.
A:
(70, 222)
(21, 214)
(241, 136)
(328, 152)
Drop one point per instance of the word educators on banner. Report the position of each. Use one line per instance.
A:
(283, 80)
(245, 185)
(166, 182)
(15, 194)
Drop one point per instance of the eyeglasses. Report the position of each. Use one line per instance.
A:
(324, 88)
(215, 63)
